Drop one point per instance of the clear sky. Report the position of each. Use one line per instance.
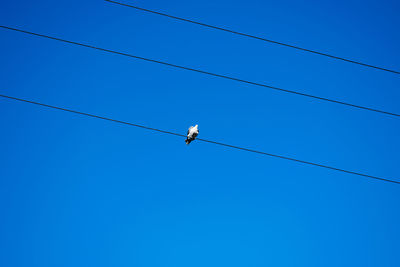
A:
(76, 191)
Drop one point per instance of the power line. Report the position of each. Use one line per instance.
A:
(204, 72)
(254, 37)
(199, 139)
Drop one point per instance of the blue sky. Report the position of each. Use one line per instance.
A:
(76, 191)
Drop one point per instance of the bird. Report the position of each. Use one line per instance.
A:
(192, 134)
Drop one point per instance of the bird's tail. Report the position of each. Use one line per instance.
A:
(188, 141)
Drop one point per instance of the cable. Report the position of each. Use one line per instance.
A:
(204, 72)
(254, 37)
(199, 139)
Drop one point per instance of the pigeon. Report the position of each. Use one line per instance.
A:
(192, 133)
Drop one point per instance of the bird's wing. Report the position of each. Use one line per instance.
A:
(190, 128)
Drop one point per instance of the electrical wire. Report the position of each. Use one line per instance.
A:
(200, 139)
(255, 37)
(204, 72)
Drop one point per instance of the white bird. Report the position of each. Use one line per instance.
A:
(192, 134)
